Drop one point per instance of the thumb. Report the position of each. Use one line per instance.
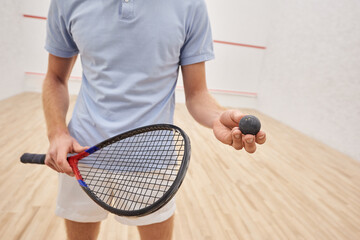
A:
(231, 118)
(78, 148)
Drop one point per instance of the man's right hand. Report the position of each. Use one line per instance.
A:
(60, 146)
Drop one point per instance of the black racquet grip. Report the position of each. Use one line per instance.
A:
(33, 158)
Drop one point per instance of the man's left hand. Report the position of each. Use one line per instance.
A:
(226, 130)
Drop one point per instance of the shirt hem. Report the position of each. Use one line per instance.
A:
(60, 53)
(196, 59)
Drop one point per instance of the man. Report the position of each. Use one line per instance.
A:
(130, 51)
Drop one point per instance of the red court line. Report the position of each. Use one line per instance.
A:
(249, 94)
(239, 44)
(35, 73)
(32, 16)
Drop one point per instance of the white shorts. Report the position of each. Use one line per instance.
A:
(75, 205)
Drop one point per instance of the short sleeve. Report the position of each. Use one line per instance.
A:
(59, 41)
(198, 45)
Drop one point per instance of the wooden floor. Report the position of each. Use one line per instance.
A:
(292, 188)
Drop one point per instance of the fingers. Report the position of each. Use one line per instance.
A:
(240, 141)
(237, 142)
(58, 151)
(58, 162)
(260, 137)
(50, 163)
(249, 143)
(62, 163)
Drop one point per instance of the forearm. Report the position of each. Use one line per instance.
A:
(201, 105)
(55, 104)
(55, 99)
(56, 95)
(204, 108)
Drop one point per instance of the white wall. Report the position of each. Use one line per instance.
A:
(11, 62)
(311, 74)
(33, 40)
(235, 67)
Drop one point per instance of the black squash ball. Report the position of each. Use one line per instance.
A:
(250, 125)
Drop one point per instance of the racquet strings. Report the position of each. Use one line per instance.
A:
(135, 172)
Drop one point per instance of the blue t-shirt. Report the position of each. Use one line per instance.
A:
(130, 53)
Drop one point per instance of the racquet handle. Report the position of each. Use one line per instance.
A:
(33, 158)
